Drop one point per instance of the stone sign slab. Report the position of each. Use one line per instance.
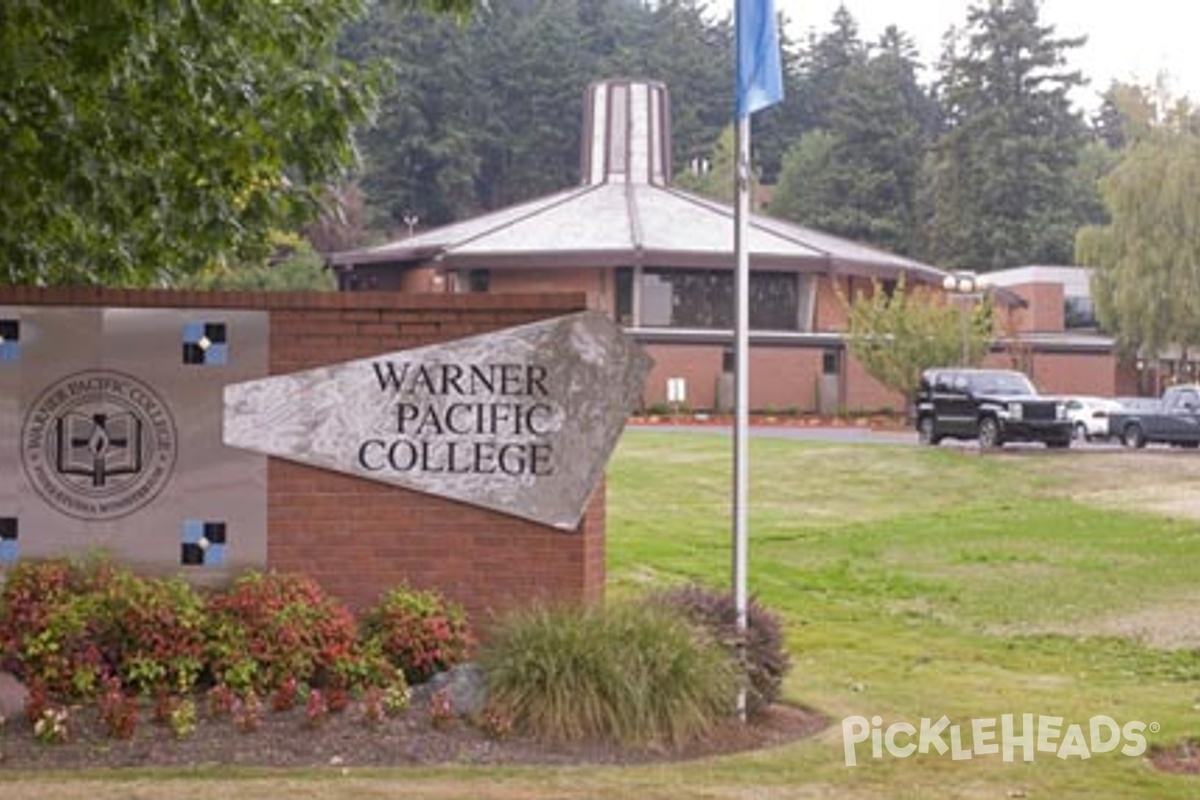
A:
(520, 421)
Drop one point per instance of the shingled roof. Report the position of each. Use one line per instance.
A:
(626, 214)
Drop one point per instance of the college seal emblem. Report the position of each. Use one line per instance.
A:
(98, 445)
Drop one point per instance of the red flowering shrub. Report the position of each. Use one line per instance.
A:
(68, 626)
(270, 628)
(44, 636)
(118, 711)
(152, 632)
(419, 632)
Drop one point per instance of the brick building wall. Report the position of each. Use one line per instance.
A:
(358, 537)
(1045, 311)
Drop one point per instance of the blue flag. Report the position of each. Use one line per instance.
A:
(759, 74)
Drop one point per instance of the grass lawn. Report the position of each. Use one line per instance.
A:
(918, 583)
(914, 583)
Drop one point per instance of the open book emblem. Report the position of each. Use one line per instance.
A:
(99, 445)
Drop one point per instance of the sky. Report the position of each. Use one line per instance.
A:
(1127, 41)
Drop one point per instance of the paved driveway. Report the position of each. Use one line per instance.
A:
(861, 435)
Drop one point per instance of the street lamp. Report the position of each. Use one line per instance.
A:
(965, 287)
(411, 219)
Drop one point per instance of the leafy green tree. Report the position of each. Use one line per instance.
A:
(998, 184)
(148, 140)
(898, 334)
(1145, 283)
(293, 267)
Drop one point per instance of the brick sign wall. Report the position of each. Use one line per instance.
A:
(358, 537)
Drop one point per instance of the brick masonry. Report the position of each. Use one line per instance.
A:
(360, 538)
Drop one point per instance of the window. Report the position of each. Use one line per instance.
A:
(1079, 312)
(479, 280)
(829, 362)
(624, 288)
(472, 280)
(703, 299)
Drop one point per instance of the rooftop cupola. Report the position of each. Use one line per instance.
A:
(627, 133)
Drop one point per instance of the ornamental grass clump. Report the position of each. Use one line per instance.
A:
(632, 675)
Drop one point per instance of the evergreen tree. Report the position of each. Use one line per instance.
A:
(419, 156)
(528, 88)
(489, 114)
(828, 60)
(857, 175)
(998, 179)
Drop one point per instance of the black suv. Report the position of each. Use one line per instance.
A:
(992, 405)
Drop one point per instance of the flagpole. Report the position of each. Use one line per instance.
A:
(741, 372)
(758, 83)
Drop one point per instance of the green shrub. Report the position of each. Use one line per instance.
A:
(271, 627)
(418, 632)
(631, 674)
(759, 650)
(68, 626)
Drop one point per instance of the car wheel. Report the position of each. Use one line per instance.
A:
(1133, 436)
(989, 434)
(1081, 434)
(927, 430)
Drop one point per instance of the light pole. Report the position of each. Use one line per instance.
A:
(411, 220)
(964, 286)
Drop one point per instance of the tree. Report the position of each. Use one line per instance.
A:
(293, 267)
(419, 155)
(856, 176)
(897, 335)
(1146, 283)
(714, 179)
(148, 140)
(998, 178)
(828, 60)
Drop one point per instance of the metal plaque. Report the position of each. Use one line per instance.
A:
(110, 422)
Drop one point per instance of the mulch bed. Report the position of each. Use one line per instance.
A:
(346, 739)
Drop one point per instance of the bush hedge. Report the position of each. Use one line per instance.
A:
(272, 627)
(759, 650)
(69, 626)
(419, 632)
(76, 629)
